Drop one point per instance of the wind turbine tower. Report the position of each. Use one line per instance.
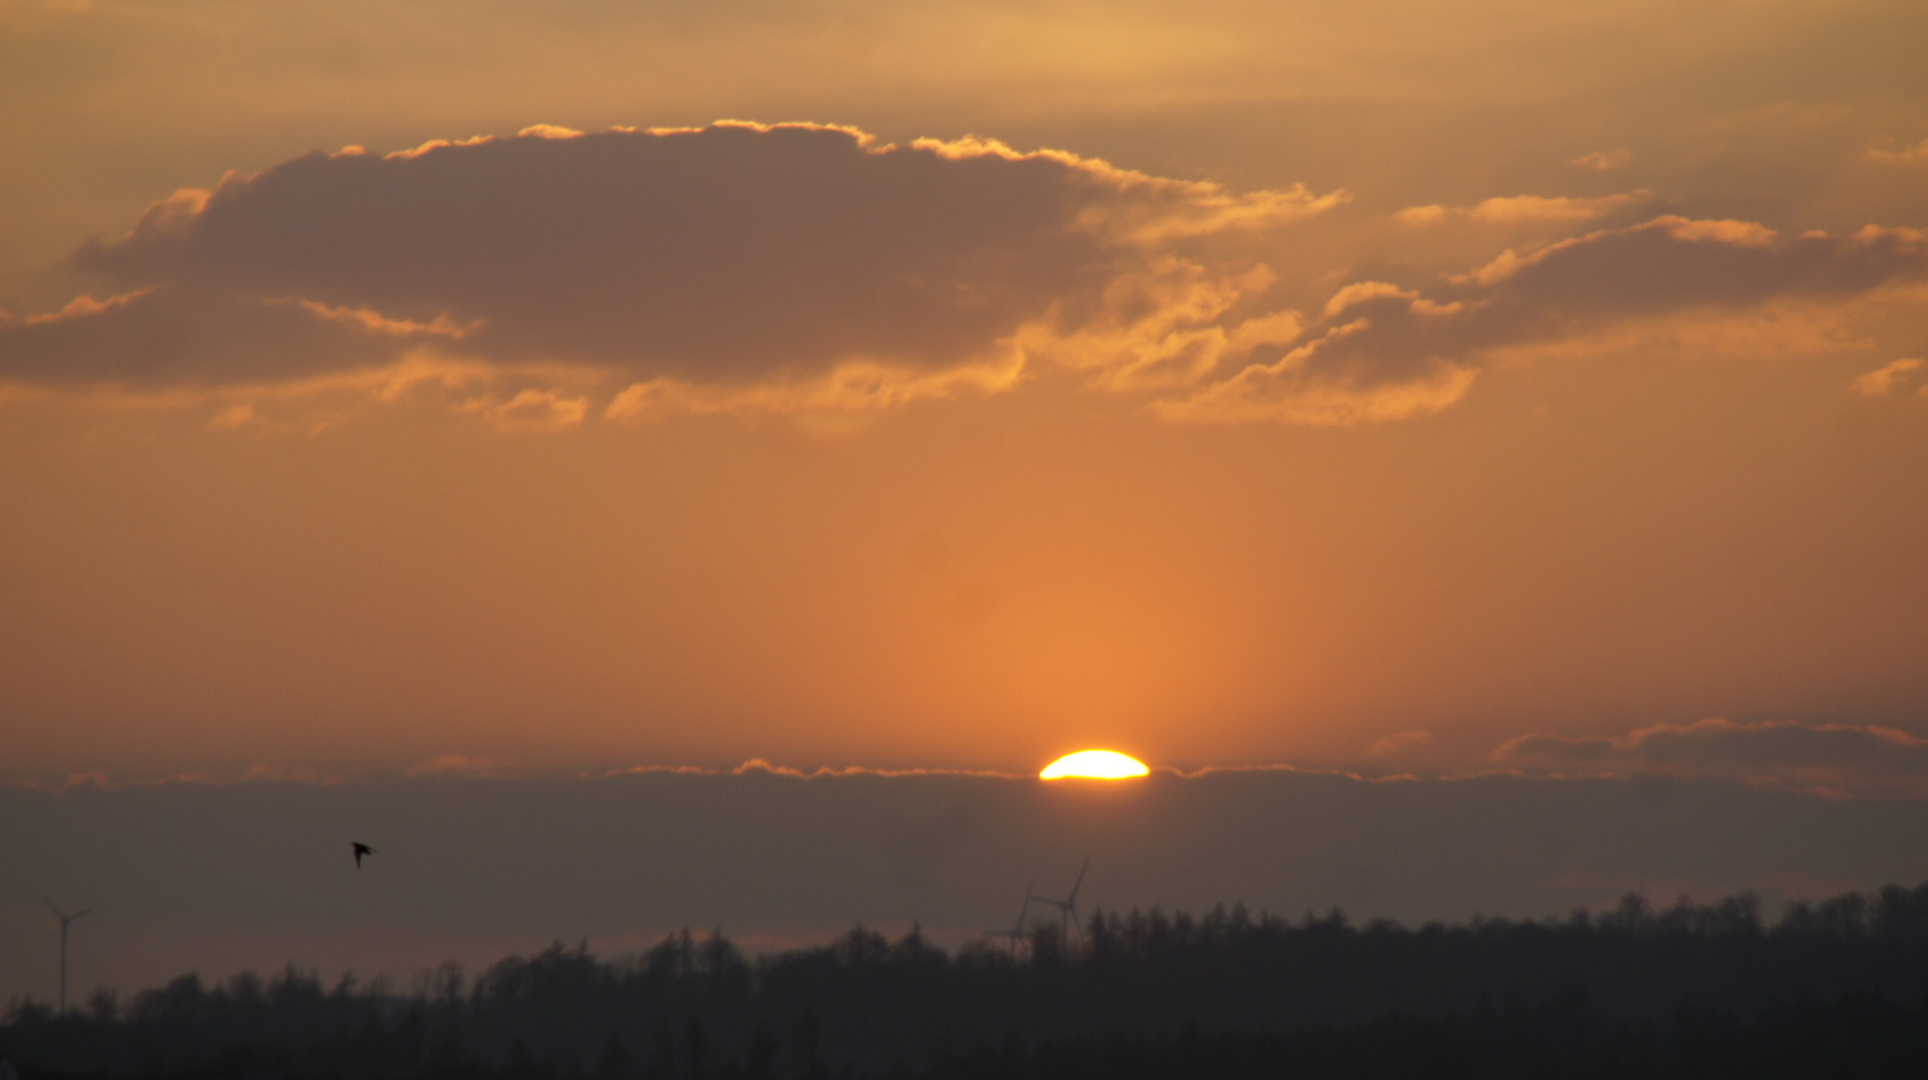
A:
(66, 921)
(1068, 907)
(1016, 933)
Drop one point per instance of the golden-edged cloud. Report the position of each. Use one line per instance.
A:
(728, 268)
(1382, 352)
(724, 253)
(1521, 209)
(1885, 378)
(553, 278)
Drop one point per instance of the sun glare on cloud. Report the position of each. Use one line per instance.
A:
(1096, 765)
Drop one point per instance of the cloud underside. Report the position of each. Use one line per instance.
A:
(628, 275)
(1835, 759)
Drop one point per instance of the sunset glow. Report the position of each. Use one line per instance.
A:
(743, 441)
(1095, 765)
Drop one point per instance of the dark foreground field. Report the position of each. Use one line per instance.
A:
(1836, 989)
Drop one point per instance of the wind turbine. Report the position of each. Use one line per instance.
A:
(66, 920)
(1068, 907)
(1016, 933)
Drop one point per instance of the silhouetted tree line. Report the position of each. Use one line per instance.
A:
(1838, 988)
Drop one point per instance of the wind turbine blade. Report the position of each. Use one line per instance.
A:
(55, 908)
(78, 914)
(1079, 884)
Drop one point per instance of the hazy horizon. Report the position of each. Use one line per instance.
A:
(216, 877)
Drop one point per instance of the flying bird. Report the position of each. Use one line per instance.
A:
(360, 850)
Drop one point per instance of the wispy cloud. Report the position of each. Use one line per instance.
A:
(1404, 740)
(826, 772)
(1904, 155)
(1884, 378)
(1519, 209)
(1604, 161)
(461, 765)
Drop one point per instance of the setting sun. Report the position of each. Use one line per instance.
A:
(1096, 765)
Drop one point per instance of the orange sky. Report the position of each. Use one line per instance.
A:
(1369, 388)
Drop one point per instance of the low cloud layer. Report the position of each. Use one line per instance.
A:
(179, 873)
(1834, 759)
(555, 277)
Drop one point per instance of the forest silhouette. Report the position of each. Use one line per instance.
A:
(1836, 988)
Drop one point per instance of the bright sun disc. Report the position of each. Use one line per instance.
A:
(1096, 764)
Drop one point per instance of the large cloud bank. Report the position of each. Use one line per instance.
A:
(662, 261)
(631, 274)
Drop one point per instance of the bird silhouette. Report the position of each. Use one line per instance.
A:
(360, 850)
